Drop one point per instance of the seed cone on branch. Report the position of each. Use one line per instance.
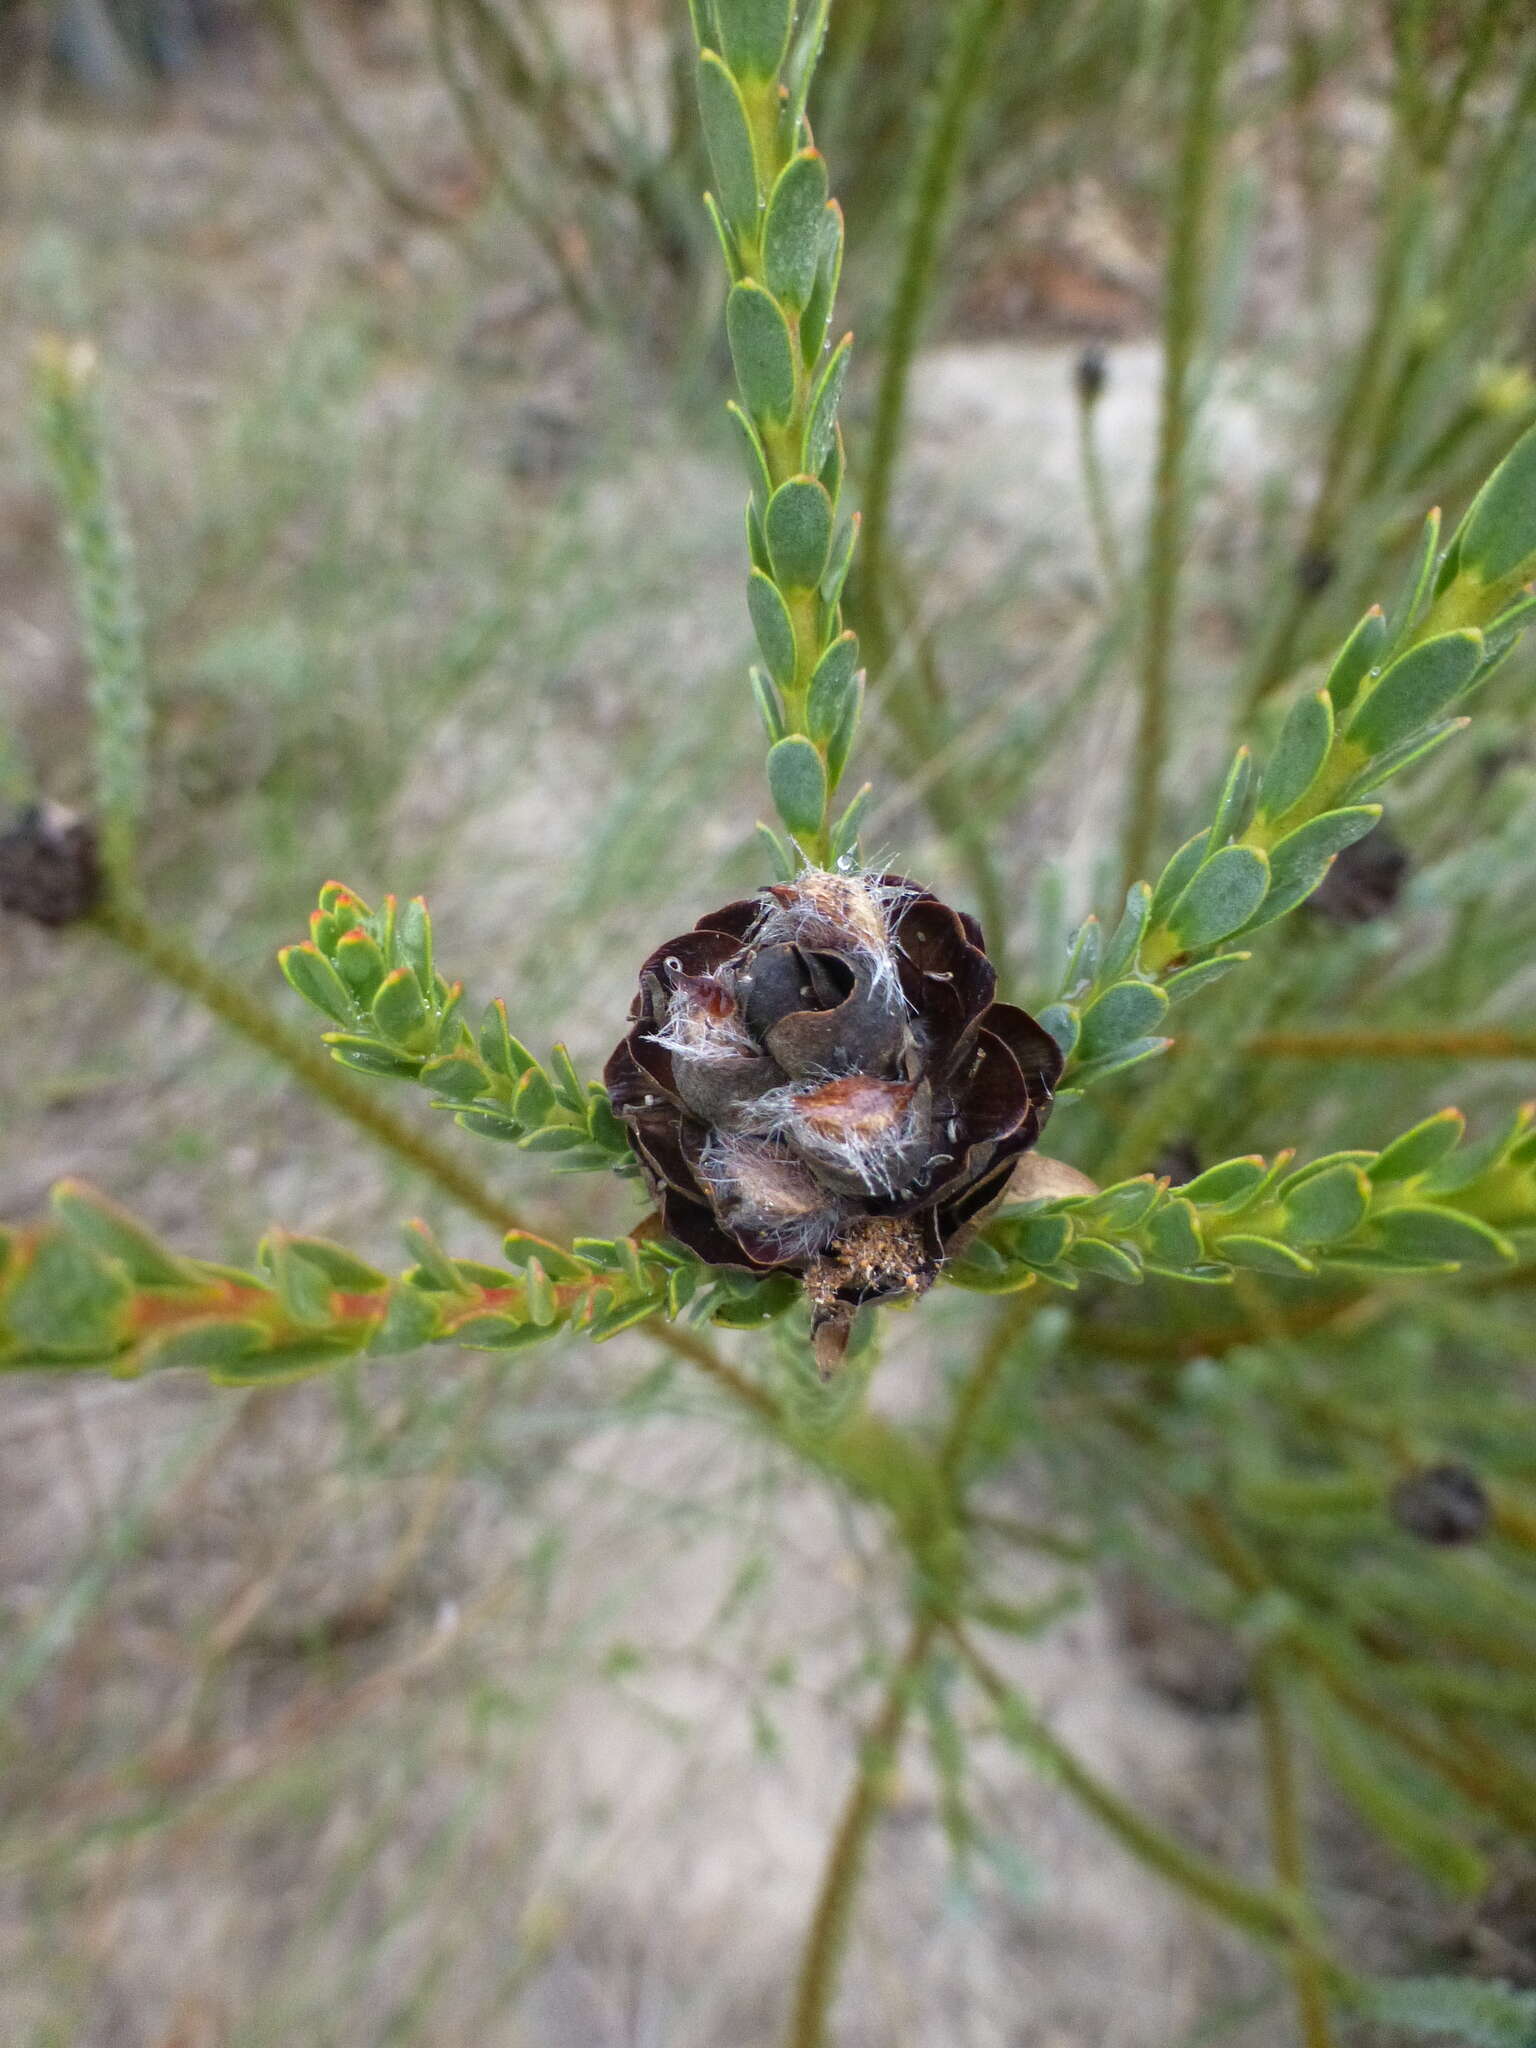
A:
(817, 1080)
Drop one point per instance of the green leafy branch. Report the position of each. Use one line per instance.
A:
(73, 431)
(782, 239)
(1390, 700)
(373, 974)
(94, 1287)
(1425, 1204)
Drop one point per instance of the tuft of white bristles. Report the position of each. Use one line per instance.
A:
(857, 911)
(875, 1159)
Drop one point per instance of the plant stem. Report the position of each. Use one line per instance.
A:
(1393, 1045)
(498, 166)
(1267, 1915)
(353, 141)
(173, 963)
(1287, 1847)
(823, 1951)
(176, 964)
(1183, 293)
(1105, 539)
(932, 185)
(914, 697)
(977, 1386)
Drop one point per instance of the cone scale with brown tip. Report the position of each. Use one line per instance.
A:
(818, 1080)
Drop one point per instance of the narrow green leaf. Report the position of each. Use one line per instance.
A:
(817, 316)
(845, 833)
(1419, 685)
(781, 857)
(1299, 754)
(1121, 951)
(1327, 1206)
(1498, 535)
(757, 460)
(1416, 584)
(307, 971)
(798, 525)
(1413, 750)
(735, 269)
(1228, 1186)
(762, 352)
(770, 706)
(832, 685)
(1420, 1149)
(1190, 980)
(1229, 816)
(1356, 658)
(1224, 893)
(1437, 1235)
(840, 562)
(754, 35)
(1109, 1261)
(774, 628)
(399, 1011)
(797, 781)
(1263, 1255)
(360, 963)
(794, 232)
(67, 1300)
(108, 1229)
(728, 138)
(1175, 876)
(1299, 862)
(1119, 1061)
(840, 745)
(821, 421)
(1124, 1011)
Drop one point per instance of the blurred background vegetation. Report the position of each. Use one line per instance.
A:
(504, 1700)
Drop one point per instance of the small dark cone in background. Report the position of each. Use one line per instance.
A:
(1442, 1504)
(49, 870)
(1178, 1162)
(1091, 374)
(1315, 570)
(1365, 880)
(817, 1080)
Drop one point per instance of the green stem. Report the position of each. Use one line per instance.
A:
(826, 1937)
(1105, 539)
(933, 182)
(1269, 1916)
(915, 697)
(1392, 1045)
(1184, 288)
(174, 963)
(1287, 1848)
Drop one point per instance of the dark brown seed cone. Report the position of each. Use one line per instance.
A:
(1444, 1504)
(817, 1080)
(49, 869)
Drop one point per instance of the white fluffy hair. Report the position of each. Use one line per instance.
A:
(873, 1159)
(728, 1167)
(873, 907)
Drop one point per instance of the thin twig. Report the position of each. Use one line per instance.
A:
(1269, 1916)
(823, 1950)
(167, 957)
(1473, 1044)
(1183, 295)
(352, 139)
(1287, 1847)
